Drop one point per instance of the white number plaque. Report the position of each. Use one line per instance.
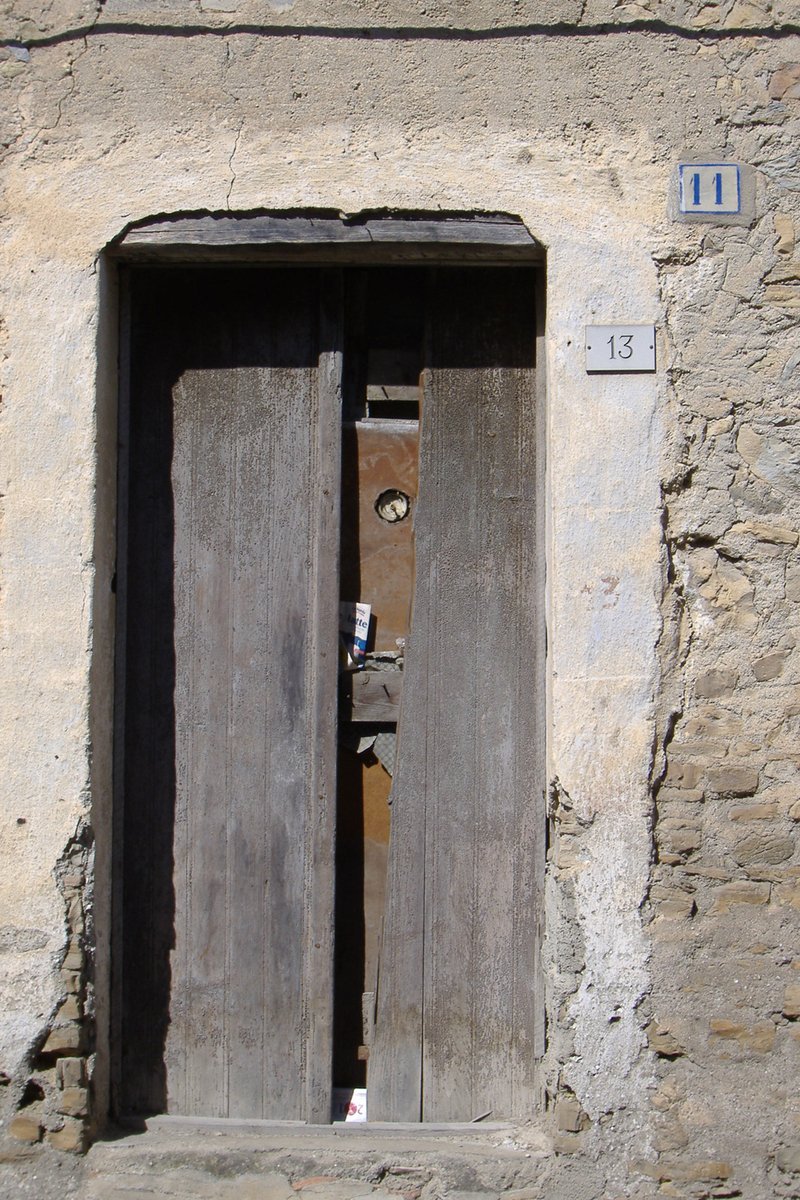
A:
(620, 347)
(709, 188)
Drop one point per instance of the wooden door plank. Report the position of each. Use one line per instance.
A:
(247, 391)
(456, 1008)
(322, 673)
(254, 617)
(482, 389)
(203, 624)
(452, 517)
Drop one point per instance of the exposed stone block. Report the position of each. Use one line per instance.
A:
(75, 915)
(71, 1072)
(73, 959)
(26, 1127)
(740, 891)
(74, 1101)
(71, 981)
(569, 1116)
(787, 1159)
(763, 846)
(662, 1041)
(679, 795)
(64, 1039)
(673, 903)
(682, 774)
(567, 854)
(782, 295)
(700, 750)
(778, 534)
(708, 1171)
(770, 666)
(754, 812)
(733, 781)
(727, 590)
(677, 837)
(71, 1136)
(706, 872)
(705, 1172)
(784, 230)
(70, 1010)
(785, 82)
(714, 683)
(758, 1038)
(668, 1094)
(791, 1001)
(788, 894)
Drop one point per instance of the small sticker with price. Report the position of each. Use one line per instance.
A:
(620, 348)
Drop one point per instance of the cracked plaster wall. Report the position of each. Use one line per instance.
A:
(672, 503)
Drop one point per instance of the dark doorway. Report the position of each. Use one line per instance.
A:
(277, 934)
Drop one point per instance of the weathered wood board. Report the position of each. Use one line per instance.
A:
(456, 1008)
(227, 900)
(229, 789)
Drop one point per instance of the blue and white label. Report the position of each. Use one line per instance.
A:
(713, 188)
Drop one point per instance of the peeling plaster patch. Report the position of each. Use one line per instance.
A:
(49, 1090)
(609, 893)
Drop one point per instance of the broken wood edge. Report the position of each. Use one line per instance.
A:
(321, 239)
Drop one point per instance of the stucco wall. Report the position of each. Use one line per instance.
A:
(672, 499)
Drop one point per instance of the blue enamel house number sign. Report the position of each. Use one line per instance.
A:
(711, 188)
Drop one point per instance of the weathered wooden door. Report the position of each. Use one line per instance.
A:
(228, 703)
(456, 1031)
(230, 695)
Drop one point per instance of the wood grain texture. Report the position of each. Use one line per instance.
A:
(456, 1010)
(242, 799)
(223, 229)
(322, 671)
(322, 239)
(374, 696)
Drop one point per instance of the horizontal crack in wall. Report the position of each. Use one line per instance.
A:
(406, 33)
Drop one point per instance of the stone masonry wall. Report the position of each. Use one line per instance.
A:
(672, 963)
(726, 882)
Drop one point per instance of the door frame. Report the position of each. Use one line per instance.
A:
(307, 239)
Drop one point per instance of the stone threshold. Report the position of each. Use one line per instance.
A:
(412, 1159)
(293, 1129)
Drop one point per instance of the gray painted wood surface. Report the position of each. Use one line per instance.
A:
(229, 715)
(250, 502)
(456, 1006)
(331, 239)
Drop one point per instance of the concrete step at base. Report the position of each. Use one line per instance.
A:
(258, 1160)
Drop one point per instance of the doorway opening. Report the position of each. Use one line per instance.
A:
(329, 852)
